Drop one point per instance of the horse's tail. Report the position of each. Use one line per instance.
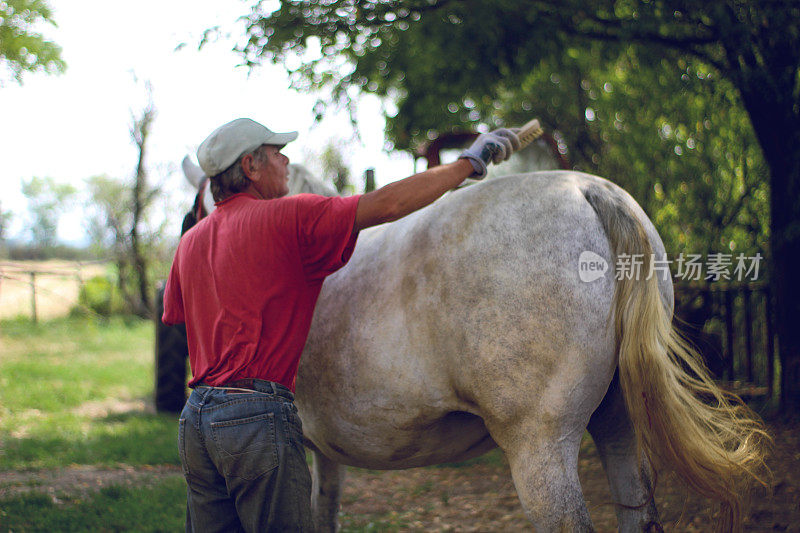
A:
(714, 442)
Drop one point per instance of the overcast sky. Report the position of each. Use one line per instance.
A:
(76, 125)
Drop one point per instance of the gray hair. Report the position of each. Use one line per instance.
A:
(232, 180)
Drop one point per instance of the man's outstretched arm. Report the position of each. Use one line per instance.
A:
(403, 197)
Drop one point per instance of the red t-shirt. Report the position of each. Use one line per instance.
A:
(246, 278)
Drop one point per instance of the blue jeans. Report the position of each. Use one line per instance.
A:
(243, 458)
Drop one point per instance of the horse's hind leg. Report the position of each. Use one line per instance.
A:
(628, 475)
(326, 484)
(545, 474)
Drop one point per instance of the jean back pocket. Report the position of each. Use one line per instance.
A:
(246, 446)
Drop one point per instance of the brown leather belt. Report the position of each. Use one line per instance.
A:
(249, 385)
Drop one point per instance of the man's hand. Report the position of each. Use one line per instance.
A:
(495, 146)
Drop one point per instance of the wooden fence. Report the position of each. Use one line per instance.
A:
(57, 281)
(732, 324)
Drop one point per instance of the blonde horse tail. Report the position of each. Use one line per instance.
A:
(682, 419)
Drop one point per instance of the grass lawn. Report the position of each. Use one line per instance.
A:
(115, 508)
(76, 391)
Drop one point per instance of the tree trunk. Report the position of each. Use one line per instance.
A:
(778, 131)
(140, 132)
(122, 280)
(139, 261)
(785, 244)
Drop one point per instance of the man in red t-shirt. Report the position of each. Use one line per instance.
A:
(245, 281)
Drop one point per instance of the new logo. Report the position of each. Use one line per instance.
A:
(591, 266)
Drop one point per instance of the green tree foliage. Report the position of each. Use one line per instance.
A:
(334, 166)
(702, 119)
(107, 212)
(119, 219)
(141, 200)
(690, 159)
(22, 48)
(451, 65)
(5, 222)
(47, 202)
(109, 220)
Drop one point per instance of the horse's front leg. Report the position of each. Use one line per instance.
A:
(326, 483)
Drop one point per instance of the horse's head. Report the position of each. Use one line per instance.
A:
(301, 180)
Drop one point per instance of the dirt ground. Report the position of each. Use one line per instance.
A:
(80, 481)
(479, 497)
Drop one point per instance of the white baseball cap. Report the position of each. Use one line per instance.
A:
(223, 147)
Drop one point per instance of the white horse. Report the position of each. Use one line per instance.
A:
(466, 326)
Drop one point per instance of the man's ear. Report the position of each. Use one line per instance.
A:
(248, 167)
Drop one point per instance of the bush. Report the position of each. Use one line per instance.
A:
(101, 296)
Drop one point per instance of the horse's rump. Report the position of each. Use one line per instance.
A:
(472, 305)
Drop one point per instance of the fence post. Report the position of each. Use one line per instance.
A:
(79, 273)
(33, 297)
(729, 333)
(369, 180)
(770, 342)
(748, 333)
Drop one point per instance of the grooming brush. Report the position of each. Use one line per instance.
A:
(529, 133)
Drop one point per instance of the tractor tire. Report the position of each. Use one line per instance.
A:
(172, 351)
